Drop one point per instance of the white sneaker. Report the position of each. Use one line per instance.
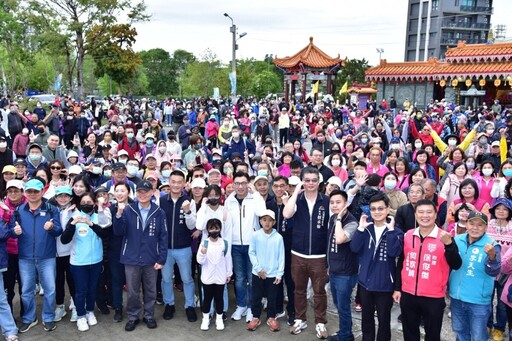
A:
(321, 331)
(239, 312)
(60, 312)
(91, 319)
(205, 322)
(219, 322)
(281, 314)
(298, 326)
(74, 316)
(82, 324)
(248, 316)
(41, 290)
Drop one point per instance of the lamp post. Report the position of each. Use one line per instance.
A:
(380, 51)
(232, 29)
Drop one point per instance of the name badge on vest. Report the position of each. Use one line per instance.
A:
(42, 213)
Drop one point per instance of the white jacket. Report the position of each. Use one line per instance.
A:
(244, 218)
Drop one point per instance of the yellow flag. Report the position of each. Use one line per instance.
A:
(344, 88)
(315, 87)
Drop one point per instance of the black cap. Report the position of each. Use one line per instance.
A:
(235, 155)
(144, 185)
(35, 145)
(3, 138)
(118, 165)
(20, 160)
(477, 215)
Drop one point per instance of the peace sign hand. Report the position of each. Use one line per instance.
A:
(363, 222)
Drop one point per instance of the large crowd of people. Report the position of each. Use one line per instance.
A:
(388, 203)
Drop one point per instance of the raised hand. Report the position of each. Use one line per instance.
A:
(363, 222)
(48, 225)
(17, 229)
(446, 238)
(186, 206)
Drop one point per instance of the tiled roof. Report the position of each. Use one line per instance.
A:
(310, 56)
(480, 52)
(435, 70)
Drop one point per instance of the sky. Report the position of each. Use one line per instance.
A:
(353, 29)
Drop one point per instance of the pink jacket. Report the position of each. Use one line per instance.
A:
(12, 243)
(212, 128)
(20, 144)
(506, 268)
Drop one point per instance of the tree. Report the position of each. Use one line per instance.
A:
(200, 77)
(354, 71)
(264, 83)
(77, 18)
(158, 67)
(113, 53)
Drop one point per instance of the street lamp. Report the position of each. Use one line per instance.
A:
(232, 29)
(380, 51)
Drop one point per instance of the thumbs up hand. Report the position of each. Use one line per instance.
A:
(17, 229)
(48, 225)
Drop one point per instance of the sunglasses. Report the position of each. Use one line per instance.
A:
(55, 168)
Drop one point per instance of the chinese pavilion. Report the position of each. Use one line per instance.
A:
(308, 66)
(470, 75)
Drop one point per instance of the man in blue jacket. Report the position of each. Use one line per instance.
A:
(238, 144)
(377, 244)
(36, 224)
(144, 251)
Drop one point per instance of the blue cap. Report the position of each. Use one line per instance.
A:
(34, 184)
(63, 190)
(395, 140)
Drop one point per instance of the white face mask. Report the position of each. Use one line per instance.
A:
(487, 171)
(418, 145)
(236, 135)
(336, 163)
(452, 142)
(162, 150)
(3, 144)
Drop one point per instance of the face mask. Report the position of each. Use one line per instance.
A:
(470, 165)
(389, 184)
(364, 141)
(129, 135)
(123, 161)
(214, 234)
(108, 173)
(336, 163)
(483, 141)
(213, 201)
(178, 164)
(166, 173)
(452, 142)
(263, 121)
(434, 119)
(255, 167)
(132, 170)
(96, 170)
(228, 170)
(35, 157)
(128, 122)
(162, 150)
(226, 124)
(418, 145)
(487, 171)
(338, 135)
(419, 116)
(25, 131)
(395, 146)
(3, 144)
(376, 144)
(89, 209)
(490, 132)
(236, 135)
(41, 130)
(263, 172)
(149, 143)
(198, 146)
(507, 173)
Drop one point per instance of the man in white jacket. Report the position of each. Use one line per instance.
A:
(244, 206)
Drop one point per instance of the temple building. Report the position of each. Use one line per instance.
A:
(470, 75)
(305, 68)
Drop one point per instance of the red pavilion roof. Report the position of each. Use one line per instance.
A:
(310, 56)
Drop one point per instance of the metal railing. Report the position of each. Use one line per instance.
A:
(477, 9)
(451, 24)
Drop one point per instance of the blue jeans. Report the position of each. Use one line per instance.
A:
(86, 280)
(501, 310)
(46, 269)
(182, 257)
(469, 320)
(242, 268)
(6, 320)
(118, 279)
(341, 288)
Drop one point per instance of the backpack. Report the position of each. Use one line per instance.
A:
(225, 245)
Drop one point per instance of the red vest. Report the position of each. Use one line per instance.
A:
(425, 271)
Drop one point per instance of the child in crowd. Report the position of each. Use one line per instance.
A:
(215, 258)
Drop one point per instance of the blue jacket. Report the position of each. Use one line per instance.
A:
(309, 234)
(142, 246)
(266, 252)
(431, 172)
(473, 282)
(238, 147)
(377, 263)
(35, 242)
(179, 224)
(4, 235)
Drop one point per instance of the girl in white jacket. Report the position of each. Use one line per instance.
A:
(215, 258)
